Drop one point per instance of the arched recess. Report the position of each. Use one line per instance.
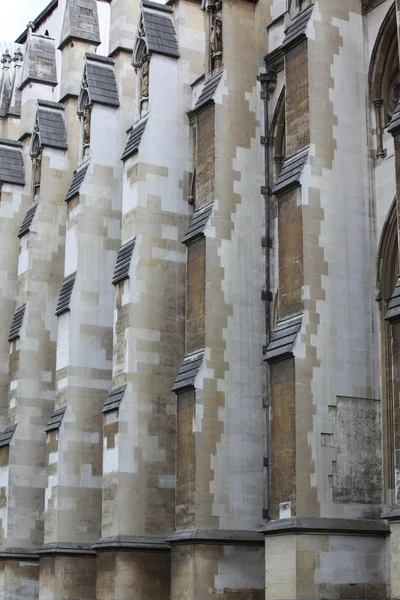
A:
(387, 274)
(277, 138)
(384, 75)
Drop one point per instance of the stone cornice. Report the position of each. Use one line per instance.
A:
(320, 525)
(234, 537)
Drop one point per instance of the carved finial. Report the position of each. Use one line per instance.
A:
(6, 60)
(30, 27)
(18, 57)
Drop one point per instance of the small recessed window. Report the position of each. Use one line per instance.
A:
(46, 33)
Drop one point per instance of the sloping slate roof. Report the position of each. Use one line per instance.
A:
(297, 28)
(40, 60)
(52, 130)
(6, 436)
(65, 294)
(11, 164)
(208, 91)
(394, 125)
(81, 21)
(102, 85)
(157, 6)
(283, 338)
(17, 322)
(291, 171)
(198, 223)
(123, 263)
(134, 139)
(160, 34)
(188, 371)
(79, 176)
(114, 398)
(393, 313)
(27, 222)
(56, 419)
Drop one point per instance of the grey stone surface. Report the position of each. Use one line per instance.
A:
(66, 549)
(160, 34)
(79, 176)
(11, 163)
(51, 128)
(17, 322)
(81, 22)
(100, 76)
(56, 419)
(27, 222)
(114, 398)
(157, 6)
(207, 93)
(131, 543)
(393, 312)
(283, 338)
(393, 514)
(317, 525)
(65, 294)
(40, 61)
(198, 224)
(6, 436)
(122, 265)
(216, 536)
(188, 371)
(292, 169)
(297, 29)
(134, 139)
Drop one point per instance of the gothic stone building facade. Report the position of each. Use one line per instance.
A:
(200, 303)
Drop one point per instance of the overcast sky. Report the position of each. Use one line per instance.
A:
(16, 15)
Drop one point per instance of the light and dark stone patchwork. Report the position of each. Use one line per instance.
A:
(207, 93)
(394, 125)
(160, 34)
(51, 128)
(198, 224)
(393, 312)
(27, 222)
(6, 436)
(40, 61)
(188, 371)
(56, 419)
(17, 323)
(81, 22)
(122, 265)
(290, 174)
(297, 29)
(134, 139)
(11, 163)
(283, 338)
(114, 398)
(79, 176)
(65, 294)
(102, 85)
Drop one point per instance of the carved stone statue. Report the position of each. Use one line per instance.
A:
(216, 35)
(144, 76)
(87, 112)
(37, 172)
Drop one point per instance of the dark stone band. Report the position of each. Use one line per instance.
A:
(234, 537)
(19, 554)
(66, 549)
(320, 525)
(131, 543)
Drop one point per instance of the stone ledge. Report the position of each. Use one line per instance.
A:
(320, 525)
(393, 514)
(234, 537)
(66, 549)
(131, 543)
(19, 554)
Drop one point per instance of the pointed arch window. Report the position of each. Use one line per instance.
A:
(36, 155)
(85, 117)
(142, 69)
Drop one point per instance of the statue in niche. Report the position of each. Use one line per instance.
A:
(144, 76)
(87, 112)
(37, 172)
(216, 35)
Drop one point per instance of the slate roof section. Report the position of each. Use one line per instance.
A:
(102, 85)
(207, 93)
(157, 6)
(297, 29)
(123, 263)
(56, 419)
(64, 298)
(188, 371)
(11, 163)
(79, 176)
(27, 222)
(17, 323)
(394, 125)
(114, 398)
(52, 130)
(160, 33)
(7, 435)
(198, 224)
(135, 137)
(81, 22)
(283, 338)
(289, 177)
(39, 61)
(393, 312)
